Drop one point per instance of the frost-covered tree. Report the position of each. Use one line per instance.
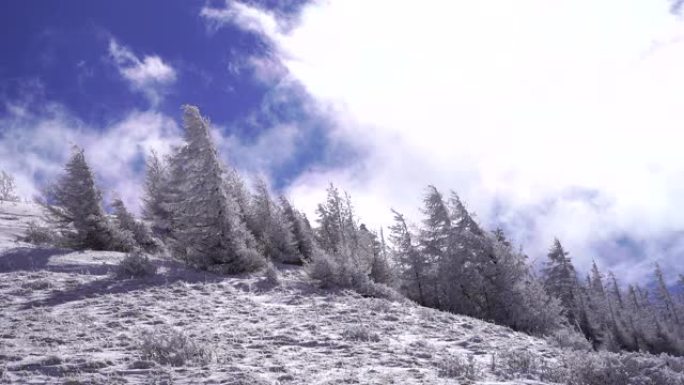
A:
(132, 227)
(208, 231)
(271, 228)
(236, 187)
(412, 267)
(373, 248)
(301, 230)
(8, 187)
(436, 229)
(669, 308)
(560, 280)
(331, 222)
(74, 207)
(157, 195)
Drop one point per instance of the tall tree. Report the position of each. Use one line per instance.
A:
(560, 280)
(208, 231)
(669, 308)
(157, 195)
(301, 230)
(413, 268)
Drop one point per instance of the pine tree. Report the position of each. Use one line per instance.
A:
(208, 231)
(373, 251)
(134, 229)
(156, 200)
(271, 228)
(560, 280)
(330, 232)
(74, 207)
(670, 310)
(413, 268)
(301, 230)
(436, 229)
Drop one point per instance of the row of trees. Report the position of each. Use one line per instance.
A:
(200, 211)
(449, 262)
(194, 206)
(634, 318)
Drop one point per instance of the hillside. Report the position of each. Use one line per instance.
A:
(66, 319)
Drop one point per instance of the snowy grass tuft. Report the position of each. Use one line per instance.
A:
(455, 366)
(360, 333)
(169, 346)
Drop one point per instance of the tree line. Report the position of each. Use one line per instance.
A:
(200, 211)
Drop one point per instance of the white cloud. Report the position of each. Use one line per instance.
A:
(151, 75)
(516, 105)
(35, 147)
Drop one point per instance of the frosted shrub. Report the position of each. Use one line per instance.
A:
(570, 339)
(606, 368)
(38, 235)
(334, 271)
(245, 260)
(271, 274)
(458, 367)
(518, 362)
(135, 264)
(172, 347)
(324, 269)
(360, 333)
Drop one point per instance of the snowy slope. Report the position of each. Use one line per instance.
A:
(66, 319)
(14, 218)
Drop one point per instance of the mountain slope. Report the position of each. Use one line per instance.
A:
(67, 319)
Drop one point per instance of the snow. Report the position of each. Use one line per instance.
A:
(14, 219)
(66, 317)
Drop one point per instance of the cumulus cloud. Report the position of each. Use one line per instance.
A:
(149, 75)
(35, 146)
(549, 118)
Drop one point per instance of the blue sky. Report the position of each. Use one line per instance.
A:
(76, 54)
(550, 119)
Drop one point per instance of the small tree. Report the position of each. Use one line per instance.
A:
(8, 188)
(74, 207)
(135, 229)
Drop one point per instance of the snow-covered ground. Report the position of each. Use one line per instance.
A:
(66, 319)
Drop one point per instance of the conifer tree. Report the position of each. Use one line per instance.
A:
(301, 230)
(74, 206)
(560, 280)
(271, 228)
(157, 195)
(134, 229)
(207, 231)
(669, 308)
(413, 268)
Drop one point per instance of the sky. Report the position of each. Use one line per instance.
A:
(549, 118)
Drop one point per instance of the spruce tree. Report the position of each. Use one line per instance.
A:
(74, 207)
(270, 227)
(560, 280)
(157, 195)
(207, 231)
(301, 230)
(413, 268)
(135, 229)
